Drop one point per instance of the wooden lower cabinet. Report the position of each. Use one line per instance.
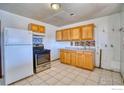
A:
(82, 59)
(89, 60)
(62, 56)
(67, 57)
(73, 57)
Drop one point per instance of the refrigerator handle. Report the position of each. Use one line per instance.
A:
(36, 61)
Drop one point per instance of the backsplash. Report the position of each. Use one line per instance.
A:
(83, 43)
(37, 40)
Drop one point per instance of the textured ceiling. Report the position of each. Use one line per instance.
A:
(61, 17)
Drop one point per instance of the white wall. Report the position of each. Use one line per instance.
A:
(110, 56)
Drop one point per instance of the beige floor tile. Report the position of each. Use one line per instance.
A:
(52, 73)
(59, 76)
(117, 82)
(66, 81)
(95, 78)
(60, 83)
(40, 74)
(90, 82)
(64, 73)
(44, 83)
(52, 81)
(106, 78)
(31, 78)
(71, 76)
(80, 79)
(75, 72)
(97, 70)
(36, 82)
(105, 83)
(75, 82)
(85, 75)
(45, 77)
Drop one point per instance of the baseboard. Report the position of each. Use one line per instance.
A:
(106, 69)
(54, 60)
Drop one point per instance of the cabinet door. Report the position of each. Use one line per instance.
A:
(64, 34)
(33, 27)
(84, 33)
(80, 59)
(73, 58)
(90, 32)
(41, 29)
(76, 33)
(89, 60)
(67, 55)
(58, 35)
(62, 56)
(68, 34)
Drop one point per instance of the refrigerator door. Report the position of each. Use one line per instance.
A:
(14, 36)
(18, 62)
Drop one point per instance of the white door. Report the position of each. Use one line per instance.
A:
(18, 62)
(17, 36)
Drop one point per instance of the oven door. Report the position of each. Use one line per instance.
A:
(41, 59)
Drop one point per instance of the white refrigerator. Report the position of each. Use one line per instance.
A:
(18, 54)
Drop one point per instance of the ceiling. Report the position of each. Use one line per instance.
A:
(61, 17)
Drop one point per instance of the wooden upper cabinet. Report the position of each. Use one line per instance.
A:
(36, 28)
(87, 32)
(66, 34)
(59, 35)
(41, 29)
(76, 33)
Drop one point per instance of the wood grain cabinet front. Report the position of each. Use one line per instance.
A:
(73, 57)
(89, 60)
(36, 28)
(87, 32)
(76, 33)
(82, 59)
(59, 35)
(41, 29)
(66, 35)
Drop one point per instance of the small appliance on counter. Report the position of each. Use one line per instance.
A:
(41, 56)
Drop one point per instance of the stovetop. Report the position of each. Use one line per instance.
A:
(40, 50)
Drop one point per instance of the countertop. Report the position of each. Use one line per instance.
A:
(80, 48)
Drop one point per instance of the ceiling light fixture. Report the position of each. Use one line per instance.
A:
(55, 6)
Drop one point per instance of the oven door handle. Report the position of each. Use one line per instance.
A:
(36, 60)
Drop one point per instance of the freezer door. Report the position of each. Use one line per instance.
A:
(16, 36)
(18, 62)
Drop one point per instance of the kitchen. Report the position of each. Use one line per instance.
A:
(90, 50)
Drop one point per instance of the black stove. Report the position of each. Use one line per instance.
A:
(41, 58)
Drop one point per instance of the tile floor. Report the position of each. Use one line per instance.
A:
(62, 74)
